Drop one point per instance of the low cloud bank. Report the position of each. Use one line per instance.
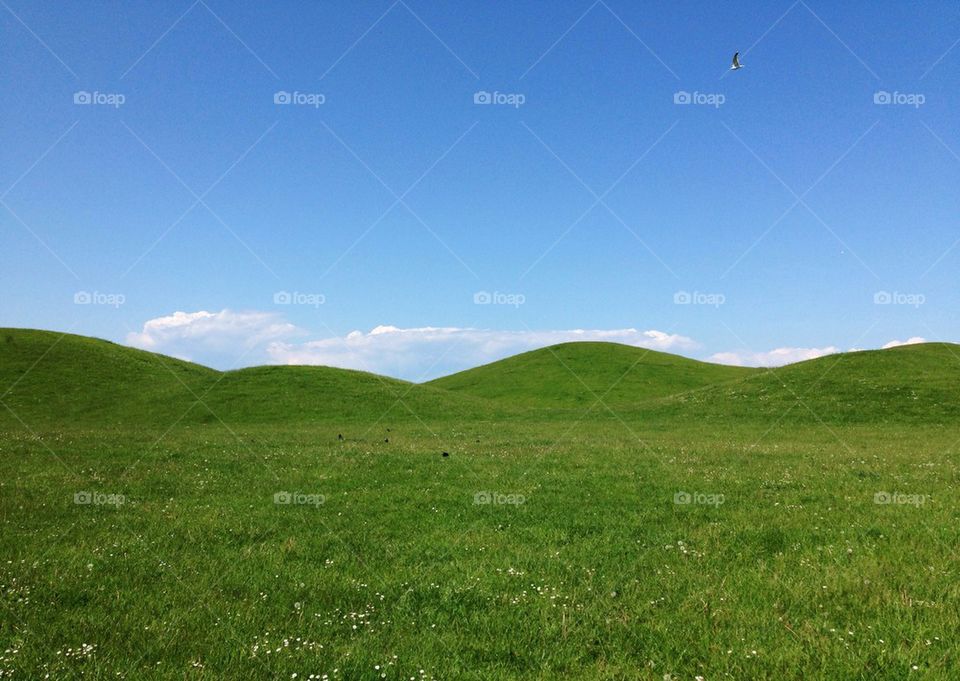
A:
(228, 338)
(427, 352)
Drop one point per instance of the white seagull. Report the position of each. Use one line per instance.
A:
(736, 62)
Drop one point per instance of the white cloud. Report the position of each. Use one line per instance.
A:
(204, 335)
(910, 341)
(773, 358)
(781, 356)
(427, 352)
(227, 338)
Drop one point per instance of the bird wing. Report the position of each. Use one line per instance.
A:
(736, 59)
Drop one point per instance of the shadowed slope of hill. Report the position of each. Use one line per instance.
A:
(277, 394)
(576, 374)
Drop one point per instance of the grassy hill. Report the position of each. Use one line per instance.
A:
(276, 394)
(908, 383)
(48, 377)
(919, 383)
(576, 374)
(53, 376)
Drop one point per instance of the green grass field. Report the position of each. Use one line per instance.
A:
(604, 512)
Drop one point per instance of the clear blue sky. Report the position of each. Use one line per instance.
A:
(302, 198)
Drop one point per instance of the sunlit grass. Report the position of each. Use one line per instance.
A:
(598, 573)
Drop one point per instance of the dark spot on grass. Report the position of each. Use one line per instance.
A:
(772, 541)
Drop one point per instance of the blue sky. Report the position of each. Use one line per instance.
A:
(805, 204)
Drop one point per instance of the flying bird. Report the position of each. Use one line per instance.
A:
(736, 62)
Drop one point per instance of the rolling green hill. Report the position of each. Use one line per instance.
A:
(278, 394)
(918, 383)
(62, 377)
(576, 374)
(48, 377)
